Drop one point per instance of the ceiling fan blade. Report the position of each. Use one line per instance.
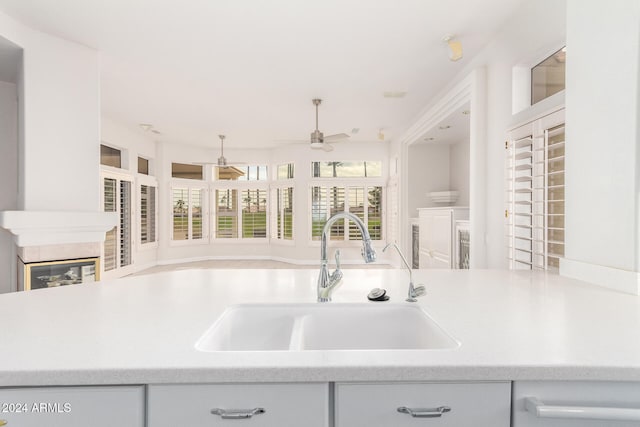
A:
(317, 145)
(324, 146)
(337, 137)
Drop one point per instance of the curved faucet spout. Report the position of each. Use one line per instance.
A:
(326, 281)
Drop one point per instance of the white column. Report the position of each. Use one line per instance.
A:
(602, 166)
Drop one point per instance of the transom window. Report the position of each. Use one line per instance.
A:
(285, 171)
(351, 169)
(548, 77)
(240, 173)
(143, 166)
(186, 171)
(110, 156)
(254, 173)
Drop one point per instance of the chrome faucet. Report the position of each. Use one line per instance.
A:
(414, 292)
(326, 281)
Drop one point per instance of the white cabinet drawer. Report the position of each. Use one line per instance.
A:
(72, 406)
(470, 404)
(576, 404)
(284, 405)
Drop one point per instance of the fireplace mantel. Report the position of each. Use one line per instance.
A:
(39, 228)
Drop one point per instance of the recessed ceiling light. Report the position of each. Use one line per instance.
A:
(444, 127)
(394, 94)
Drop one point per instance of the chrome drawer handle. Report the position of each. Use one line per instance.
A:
(542, 410)
(425, 412)
(237, 414)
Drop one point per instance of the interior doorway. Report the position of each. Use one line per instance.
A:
(446, 148)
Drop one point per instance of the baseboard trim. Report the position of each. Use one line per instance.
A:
(259, 258)
(607, 277)
(295, 261)
(213, 258)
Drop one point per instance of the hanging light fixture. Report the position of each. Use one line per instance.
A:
(455, 47)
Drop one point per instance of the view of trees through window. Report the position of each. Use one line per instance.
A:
(363, 201)
(226, 214)
(359, 169)
(187, 213)
(245, 204)
(254, 213)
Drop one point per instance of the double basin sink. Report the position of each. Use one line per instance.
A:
(324, 326)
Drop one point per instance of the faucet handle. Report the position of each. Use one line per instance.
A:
(336, 276)
(337, 259)
(415, 292)
(419, 291)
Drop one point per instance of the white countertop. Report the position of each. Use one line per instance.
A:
(142, 330)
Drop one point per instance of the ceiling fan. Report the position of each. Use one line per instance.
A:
(222, 160)
(318, 140)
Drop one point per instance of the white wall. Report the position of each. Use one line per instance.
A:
(603, 167)
(130, 138)
(429, 166)
(459, 171)
(8, 178)
(59, 154)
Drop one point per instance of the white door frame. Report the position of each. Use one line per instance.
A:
(470, 90)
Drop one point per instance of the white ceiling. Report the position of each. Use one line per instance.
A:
(453, 129)
(249, 68)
